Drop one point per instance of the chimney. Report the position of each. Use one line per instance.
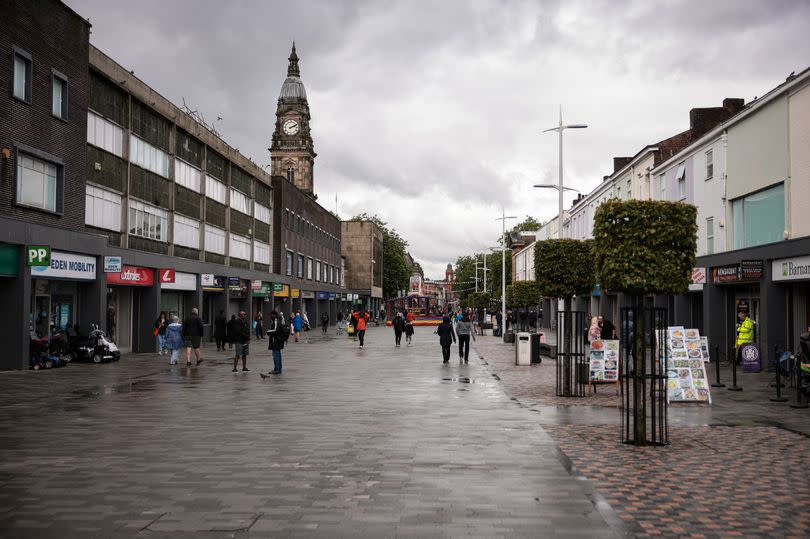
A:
(703, 120)
(733, 104)
(620, 162)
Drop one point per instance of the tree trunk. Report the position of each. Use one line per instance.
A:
(639, 364)
(567, 322)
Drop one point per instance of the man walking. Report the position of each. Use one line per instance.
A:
(219, 330)
(298, 324)
(277, 338)
(192, 335)
(324, 323)
(362, 321)
(241, 341)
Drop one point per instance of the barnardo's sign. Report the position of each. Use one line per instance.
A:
(67, 266)
(796, 268)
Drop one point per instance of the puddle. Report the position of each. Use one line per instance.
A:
(127, 387)
(461, 380)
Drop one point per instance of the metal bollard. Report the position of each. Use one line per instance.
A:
(778, 397)
(798, 401)
(734, 386)
(717, 367)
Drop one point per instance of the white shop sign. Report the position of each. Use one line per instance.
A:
(182, 281)
(67, 266)
(796, 268)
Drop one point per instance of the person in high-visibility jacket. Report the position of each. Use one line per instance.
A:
(745, 330)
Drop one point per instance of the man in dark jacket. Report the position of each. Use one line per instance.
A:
(240, 333)
(219, 330)
(277, 337)
(447, 336)
(192, 335)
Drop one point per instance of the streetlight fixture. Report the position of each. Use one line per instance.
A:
(503, 219)
(560, 188)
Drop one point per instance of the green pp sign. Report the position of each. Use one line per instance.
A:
(39, 255)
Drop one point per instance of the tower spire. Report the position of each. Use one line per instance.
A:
(293, 70)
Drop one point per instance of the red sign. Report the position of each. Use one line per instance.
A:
(132, 276)
(166, 275)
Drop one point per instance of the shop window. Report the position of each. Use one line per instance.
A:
(102, 208)
(186, 232)
(709, 164)
(22, 75)
(59, 95)
(261, 252)
(105, 134)
(710, 236)
(148, 157)
(215, 190)
(148, 221)
(186, 175)
(759, 218)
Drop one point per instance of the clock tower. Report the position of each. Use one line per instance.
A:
(292, 154)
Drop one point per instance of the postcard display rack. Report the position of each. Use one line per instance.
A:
(603, 359)
(686, 367)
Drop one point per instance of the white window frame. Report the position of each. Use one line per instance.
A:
(318, 270)
(102, 208)
(261, 252)
(148, 157)
(662, 179)
(105, 134)
(680, 178)
(186, 232)
(709, 164)
(35, 175)
(240, 202)
(214, 239)
(154, 221)
(216, 190)
(186, 175)
(709, 235)
(239, 247)
(261, 213)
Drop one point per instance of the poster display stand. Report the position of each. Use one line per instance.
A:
(686, 367)
(603, 364)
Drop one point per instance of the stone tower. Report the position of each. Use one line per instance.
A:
(292, 154)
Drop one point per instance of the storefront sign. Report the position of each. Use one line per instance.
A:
(132, 276)
(281, 290)
(212, 283)
(167, 275)
(698, 275)
(751, 270)
(237, 288)
(726, 274)
(746, 270)
(9, 260)
(113, 264)
(306, 294)
(207, 279)
(182, 281)
(332, 296)
(68, 266)
(261, 289)
(322, 295)
(791, 269)
(296, 292)
(38, 255)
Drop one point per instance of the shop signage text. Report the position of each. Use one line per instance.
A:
(212, 283)
(113, 264)
(751, 270)
(296, 292)
(747, 270)
(306, 294)
(39, 255)
(180, 281)
(281, 290)
(698, 275)
(68, 266)
(261, 289)
(166, 275)
(323, 295)
(132, 276)
(791, 269)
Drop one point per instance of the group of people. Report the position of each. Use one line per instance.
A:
(448, 336)
(403, 323)
(600, 328)
(173, 336)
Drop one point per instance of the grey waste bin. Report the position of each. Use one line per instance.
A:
(523, 349)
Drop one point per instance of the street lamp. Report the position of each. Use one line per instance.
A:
(560, 189)
(503, 219)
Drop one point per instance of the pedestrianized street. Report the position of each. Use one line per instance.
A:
(379, 442)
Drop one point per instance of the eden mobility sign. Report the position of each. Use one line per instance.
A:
(67, 266)
(796, 268)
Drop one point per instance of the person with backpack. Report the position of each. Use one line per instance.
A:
(277, 336)
(362, 321)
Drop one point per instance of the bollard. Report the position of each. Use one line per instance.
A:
(734, 386)
(798, 401)
(778, 397)
(717, 367)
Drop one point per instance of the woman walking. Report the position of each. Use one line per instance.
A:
(399, 327)
(160, 331)
(258, 325)
(464, 330)
(408, 326)
(174, 339)
(447, 337)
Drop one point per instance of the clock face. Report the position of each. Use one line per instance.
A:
(290, 127)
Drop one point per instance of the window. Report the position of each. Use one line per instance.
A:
(662, 179)
(317, 271)
(186, 232)
(327, 273)
(337, 276)
(681, 177)
(240, 202)
(59, 95)
(22, 75)
(214, 239)
(629, 189)
(147, 156)
(759, 218)
(37, 183)
(105, 134)
(710, 236)
(289, 263)
(709, 165)
(300, 269)
(287, 217)
(262, 213)
(215, 190)
(290, 174)
(102, 208)
(239, 247)
(147, 221)
(186, 175)
(261, 252)
(309, 269)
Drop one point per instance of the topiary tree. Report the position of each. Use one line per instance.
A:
(477, 300)
(563, 268)
(523, 294)
(644, 247)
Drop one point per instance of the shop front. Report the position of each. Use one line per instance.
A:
(793, 274)
(238, 295)
(322, 306)
(124, 290)
(261, 292)
(308, 306)
(295, 295)
(281, 298)
(178, 292)
(214, 300)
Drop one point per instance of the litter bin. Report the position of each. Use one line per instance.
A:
(523, 349)
(535, 356)
(509, 337)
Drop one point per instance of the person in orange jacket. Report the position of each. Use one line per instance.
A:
(362, 320)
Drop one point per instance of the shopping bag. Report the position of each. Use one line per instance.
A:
(254, 324)
(350, 330)
(157, 330)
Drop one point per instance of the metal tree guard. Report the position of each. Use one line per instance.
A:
(644, 391)
(572, 367)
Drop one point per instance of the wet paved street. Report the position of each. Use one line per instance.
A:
(380, 442)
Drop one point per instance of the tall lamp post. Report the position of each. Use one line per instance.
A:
(503, 219)
(560, 188)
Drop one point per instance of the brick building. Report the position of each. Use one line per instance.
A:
(362, 249)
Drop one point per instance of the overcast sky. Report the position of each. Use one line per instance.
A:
(429, 113)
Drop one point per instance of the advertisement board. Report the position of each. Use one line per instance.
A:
(796, 268)
(113, 264)
(686, 370)
(67, 266)
(603, 360)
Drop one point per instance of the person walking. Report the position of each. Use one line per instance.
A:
(362, 321)
(161, 324)
(340, 317)
(307, 325)
(277, 336)
(297, 324)
(174, 339)
(464, 331)
(241, 341)
(399, 328)
(324, 323)
(228, 335)
(408, 327)
(192, 334)
(258, 325)
(447, 337)
(219, 330)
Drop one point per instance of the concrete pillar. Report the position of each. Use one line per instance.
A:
(147, 306)
(773, 327)
(15, 295)
(93, 302)
(714, 315)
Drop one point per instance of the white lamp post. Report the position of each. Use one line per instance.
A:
(503, 219)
